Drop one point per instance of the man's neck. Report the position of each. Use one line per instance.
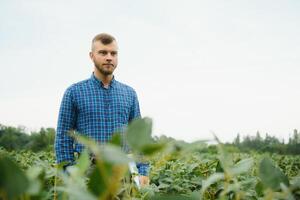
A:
(105, 79)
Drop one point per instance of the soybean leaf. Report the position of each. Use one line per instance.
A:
(99, 179)
(270, 175)
(224, 157)
(211, 180)
(105, 181)
(295, 183)
(259, 189)
(87, 142)
(75, 193)
(35, 184)
(149, 149)
(174, 197)
(138, 133)
(242, 166)
(219, 167)
(115, 155)
(116, 139)
(13, 181)
(83, 162)
(108, 152)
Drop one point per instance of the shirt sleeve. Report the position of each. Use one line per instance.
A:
(66, 122)
(135, 108)
(143, 169)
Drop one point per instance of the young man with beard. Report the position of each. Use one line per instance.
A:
(97, 107)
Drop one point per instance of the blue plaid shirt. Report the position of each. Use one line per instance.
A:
(97, 112)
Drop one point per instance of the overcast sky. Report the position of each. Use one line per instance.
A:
(198, 66)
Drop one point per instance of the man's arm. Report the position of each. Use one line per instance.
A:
(143, 168)
(135, 108)
(66, 122)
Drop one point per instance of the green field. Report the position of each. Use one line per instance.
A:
(178, 171)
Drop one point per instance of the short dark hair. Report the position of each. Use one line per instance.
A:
(104, 38)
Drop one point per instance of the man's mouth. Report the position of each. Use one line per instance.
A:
(108, 65)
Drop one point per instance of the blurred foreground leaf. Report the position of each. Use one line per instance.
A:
(152, 148)
(139, 133)
(139, 138)
(35, 179)
(211, 180)
(105, 180)
(13, 181)
(270, 175)
(108, 152)
(174, 197)
(242, 166)
(97, 183)
(259, 189)
(83, 162)
(116, 139)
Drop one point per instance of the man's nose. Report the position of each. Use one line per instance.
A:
(108, 56)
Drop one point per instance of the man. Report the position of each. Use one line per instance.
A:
(98, 106)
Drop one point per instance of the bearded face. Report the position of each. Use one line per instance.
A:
(105, 57)
(105, 69)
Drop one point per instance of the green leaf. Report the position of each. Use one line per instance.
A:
(138, 133)
(242, 166)
(72, 191)
(259, 188)
(295, 182)
(114, 155)
(116, 139)
(219, 167)
(105, 179)
(224, 157)
(98, 182)
(174, 197)
(211, 180)
(83, 162)
(150, 149)
(163, 185)
(108, 152)
(87, 142)
(35, 184)
(13, 181)
(271, 176)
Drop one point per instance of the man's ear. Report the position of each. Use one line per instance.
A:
(91, 55)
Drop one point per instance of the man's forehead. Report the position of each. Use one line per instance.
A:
(98, 45)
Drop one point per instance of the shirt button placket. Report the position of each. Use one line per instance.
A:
(106, 105)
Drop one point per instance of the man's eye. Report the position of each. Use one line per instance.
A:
(102, 52)
(114, 53)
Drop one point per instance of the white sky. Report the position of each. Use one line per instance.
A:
(198, 66)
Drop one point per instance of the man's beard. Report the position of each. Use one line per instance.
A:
(105, 73)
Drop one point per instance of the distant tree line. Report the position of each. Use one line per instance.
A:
(269, 143)
(12, 138)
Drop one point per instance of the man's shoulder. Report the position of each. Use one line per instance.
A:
(124, 86)
(79, 85)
